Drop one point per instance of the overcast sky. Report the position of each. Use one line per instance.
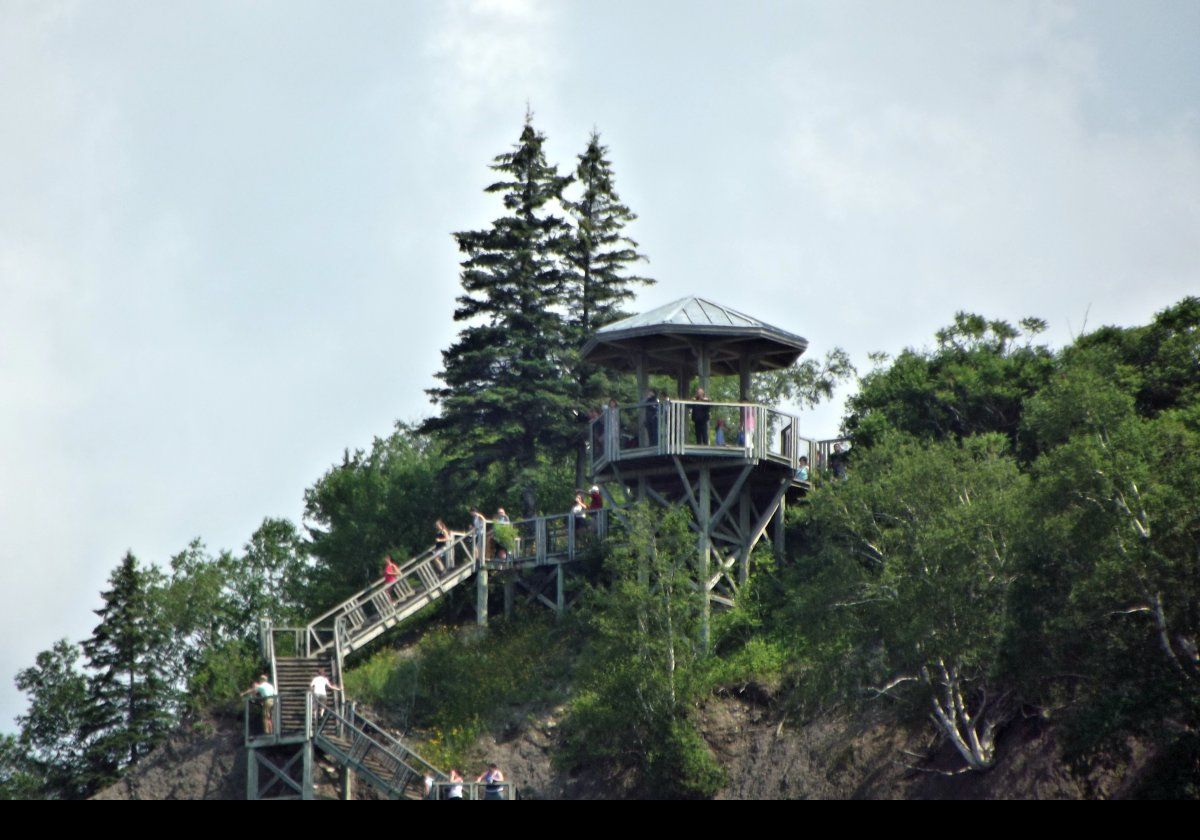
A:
(225, 250)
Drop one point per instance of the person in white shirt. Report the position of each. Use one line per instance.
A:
(320, 688)
(455, 791)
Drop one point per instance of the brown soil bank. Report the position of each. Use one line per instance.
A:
(832, 757)
(204, 761)
(868, 757)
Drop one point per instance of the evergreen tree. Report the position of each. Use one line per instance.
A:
(128, 698)
(600, 261)
(600, 255)
(507, 400)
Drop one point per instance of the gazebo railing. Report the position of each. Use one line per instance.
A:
(750, 430)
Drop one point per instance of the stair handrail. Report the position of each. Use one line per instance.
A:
(339, 634)
(266, 644)
(408, 568)
(379, 737)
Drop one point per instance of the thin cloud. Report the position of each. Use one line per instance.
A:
(488, 51)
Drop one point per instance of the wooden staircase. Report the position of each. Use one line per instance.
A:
(345, 735)
(293, 675)
(367, 614)
(353, 740)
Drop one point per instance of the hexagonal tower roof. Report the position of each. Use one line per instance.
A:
(674, 337)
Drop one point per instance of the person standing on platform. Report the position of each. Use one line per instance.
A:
(700, 414)
(650, 408)
(493, 781)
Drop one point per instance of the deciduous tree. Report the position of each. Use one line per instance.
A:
(51, 737)
(912, 561)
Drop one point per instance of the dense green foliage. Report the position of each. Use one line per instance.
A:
(976, 381)
(167, 646)
(51, 748)
(388, 499)
(643, 670)
(535, 285)
(373, 503)
(905, 584)
(127, 695)
(1017, 532)
(1019, 529)
(457, 685)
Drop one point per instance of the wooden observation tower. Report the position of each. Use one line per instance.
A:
(733, 463)
(667, 449)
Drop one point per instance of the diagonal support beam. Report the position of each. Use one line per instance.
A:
(733, 494)
(535, 592)
(687, 485)
(278, 774)
(764, 519)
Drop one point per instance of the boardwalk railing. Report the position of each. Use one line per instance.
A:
(253, 712)
(472, 790)
(825, 450)
(544, 540)
(749, 430)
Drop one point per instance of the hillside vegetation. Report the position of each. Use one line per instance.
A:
(1014, 551)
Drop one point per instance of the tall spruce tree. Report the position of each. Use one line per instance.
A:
(600, 255)
(600, 261)
(507, 398)
(128, 698)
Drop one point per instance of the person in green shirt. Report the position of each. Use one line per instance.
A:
(266, 696)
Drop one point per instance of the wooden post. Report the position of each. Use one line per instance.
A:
(744, 525)
(251, 774)
(744, 378)
(481, 595)
(779, 528)
(306, 779)
(347, 786)
(560, 603)
(508, 598)
(705, 550)
(643, 385)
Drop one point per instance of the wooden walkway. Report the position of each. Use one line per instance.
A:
(347, 736)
